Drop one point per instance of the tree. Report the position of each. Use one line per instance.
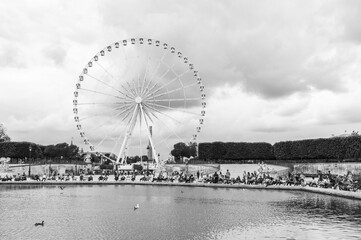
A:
(133, 159)
(3, 136)
(180, 150)
(20, 150)
(62, 150)
(354, 133)
(95, 158)
(193, 149)
(144, 158)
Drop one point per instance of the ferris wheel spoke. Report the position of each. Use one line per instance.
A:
(158, 80)
(145, 89)
(171, 130)
(145, 72)
(174, 100)
(128, 91)
(144, 78)
(139, 87)
(142, 88)
(136, 86)
(125, 111)
(132, 89)
(106, 94)
(178, 76)
(166, 84)
(165, 142)
(126, 72)
(123, 106)
(106, 71)
(117, 90)
(132, 109)
(106, 137)
(102, 114)
(101, 141)
(174, 90)
(132, 121)
(102, 103)
(151, 107)
(108, 119)
(155, 105)
(90, 117)
(154, 73)
(148, 114)
(113, 115)
(142, 82)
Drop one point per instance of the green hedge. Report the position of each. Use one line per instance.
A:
(352, 147)
(322, 148)
(310, 149)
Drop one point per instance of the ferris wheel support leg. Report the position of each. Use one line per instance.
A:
(124, 158)
(120, 155)
(129, 133)
(150, 137)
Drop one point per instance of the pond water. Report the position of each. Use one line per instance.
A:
(107, 212)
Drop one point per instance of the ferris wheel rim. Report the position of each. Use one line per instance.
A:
(130, 96)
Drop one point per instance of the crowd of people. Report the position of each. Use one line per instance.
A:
(346, 182)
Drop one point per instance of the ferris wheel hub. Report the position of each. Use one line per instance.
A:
(138, 99)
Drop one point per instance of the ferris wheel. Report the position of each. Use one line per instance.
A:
(138, 97)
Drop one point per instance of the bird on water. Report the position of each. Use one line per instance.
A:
(136, 206)
(40, 224)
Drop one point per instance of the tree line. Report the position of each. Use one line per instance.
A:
(335, 148)
(33, 151)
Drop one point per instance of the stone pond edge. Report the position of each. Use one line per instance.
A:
(326, 191)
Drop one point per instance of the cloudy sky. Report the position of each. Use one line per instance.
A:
(274, 70)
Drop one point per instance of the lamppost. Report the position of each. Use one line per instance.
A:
(141, 159)
(30, 148)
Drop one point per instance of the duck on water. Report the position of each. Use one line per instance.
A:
(39, 224)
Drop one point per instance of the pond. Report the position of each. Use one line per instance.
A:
(165, 212)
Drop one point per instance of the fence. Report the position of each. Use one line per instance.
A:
(193, 169)
(41, 169)
(334, 168)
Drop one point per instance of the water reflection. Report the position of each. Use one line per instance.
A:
(107, 212)
(331, 208)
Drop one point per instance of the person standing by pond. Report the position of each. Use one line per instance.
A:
(228, 175)
(215, 177)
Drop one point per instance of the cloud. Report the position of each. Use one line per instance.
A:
(272, 70)
(349, 15)
(10, 57)
(55, 53)
(273, 49)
